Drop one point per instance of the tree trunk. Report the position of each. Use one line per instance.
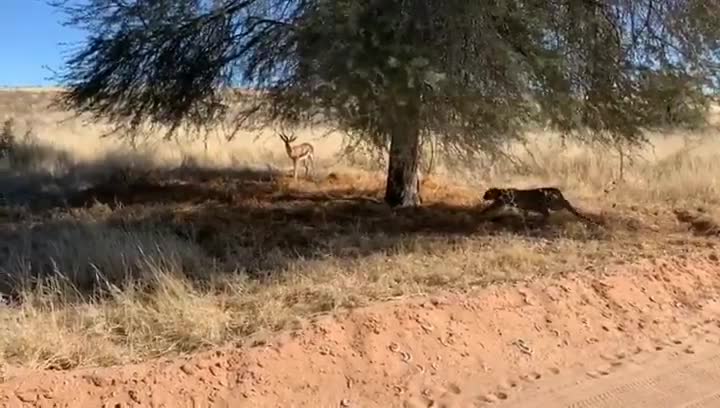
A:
(403, 181)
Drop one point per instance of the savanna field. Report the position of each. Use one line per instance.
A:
(113, 255)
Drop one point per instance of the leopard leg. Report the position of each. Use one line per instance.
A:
(545, 212)
(497, 204)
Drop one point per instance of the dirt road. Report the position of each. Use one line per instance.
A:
(638, 336)
(685, 376)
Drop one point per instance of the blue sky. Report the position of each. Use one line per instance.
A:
(30, 37)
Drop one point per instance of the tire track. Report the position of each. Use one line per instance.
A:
(688, 380)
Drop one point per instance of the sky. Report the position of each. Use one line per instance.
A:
(30, 37)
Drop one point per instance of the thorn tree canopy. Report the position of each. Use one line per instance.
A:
(474, 73)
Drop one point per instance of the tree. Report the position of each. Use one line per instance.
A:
(476, 73)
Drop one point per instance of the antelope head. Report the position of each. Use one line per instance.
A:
(287, 140)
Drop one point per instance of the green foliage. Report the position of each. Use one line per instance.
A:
(674, 100)
(475, 72)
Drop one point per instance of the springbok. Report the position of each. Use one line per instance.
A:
(298, 153)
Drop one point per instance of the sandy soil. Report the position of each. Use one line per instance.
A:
(636, 336)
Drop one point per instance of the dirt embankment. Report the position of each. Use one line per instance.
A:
(552, 341)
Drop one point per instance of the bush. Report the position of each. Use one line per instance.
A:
(7, 137)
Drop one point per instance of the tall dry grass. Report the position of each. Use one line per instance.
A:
(118, 282)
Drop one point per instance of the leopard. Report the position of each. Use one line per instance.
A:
(540, 200)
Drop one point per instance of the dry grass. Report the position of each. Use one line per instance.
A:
(195, 249)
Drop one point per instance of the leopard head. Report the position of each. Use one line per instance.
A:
(492, 194)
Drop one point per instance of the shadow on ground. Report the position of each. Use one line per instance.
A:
(252, 222)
